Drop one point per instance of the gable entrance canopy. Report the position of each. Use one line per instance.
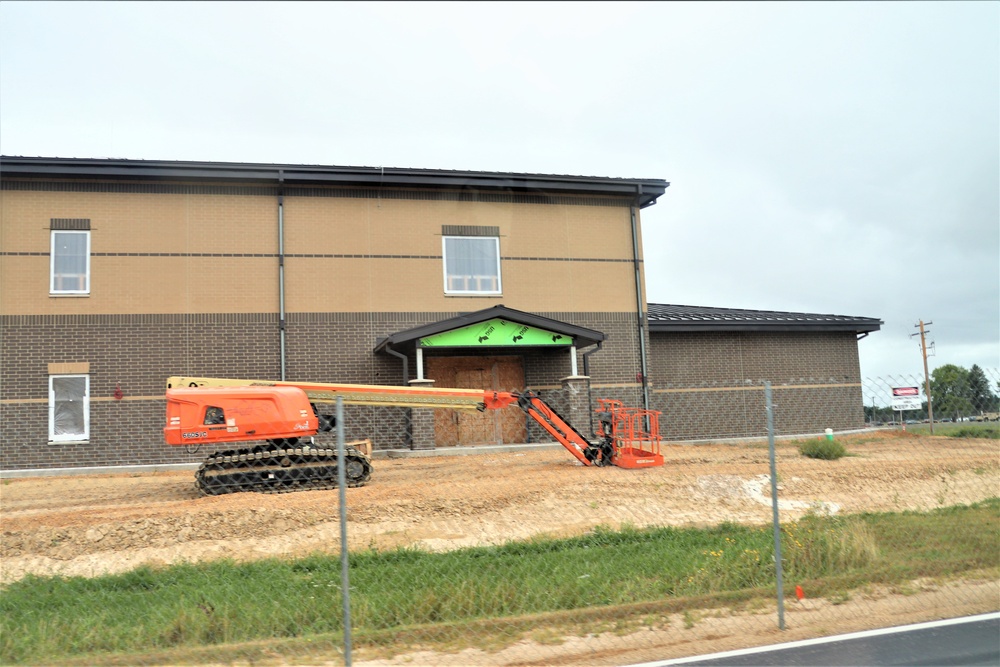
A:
(491, 330)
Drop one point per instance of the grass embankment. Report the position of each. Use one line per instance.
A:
(225, 611)
(990, 430)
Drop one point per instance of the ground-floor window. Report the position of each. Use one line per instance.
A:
(69, 408)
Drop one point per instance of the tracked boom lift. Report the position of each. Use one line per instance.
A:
(285, 415)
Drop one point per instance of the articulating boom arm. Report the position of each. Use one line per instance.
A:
(564, 432)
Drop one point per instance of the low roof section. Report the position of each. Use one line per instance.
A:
(671, 318)
(644, 191)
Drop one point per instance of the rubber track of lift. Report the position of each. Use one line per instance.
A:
(260, 470)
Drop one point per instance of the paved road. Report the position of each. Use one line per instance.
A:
(972, 641)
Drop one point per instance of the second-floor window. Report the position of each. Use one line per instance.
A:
(471, 265)
(70, 262)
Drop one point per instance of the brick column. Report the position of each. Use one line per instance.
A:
(422, 421)
(578, 411)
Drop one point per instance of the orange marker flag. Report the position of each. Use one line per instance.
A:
(799, 593)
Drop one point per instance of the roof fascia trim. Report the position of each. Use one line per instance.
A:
(75, 168)
(655, 327)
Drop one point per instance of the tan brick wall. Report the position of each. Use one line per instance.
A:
(145, 285)
(177, 252)
(141, 222)
(403, 227)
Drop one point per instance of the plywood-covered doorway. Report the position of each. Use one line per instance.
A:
(468, 427)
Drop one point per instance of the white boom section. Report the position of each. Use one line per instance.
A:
(355, 394)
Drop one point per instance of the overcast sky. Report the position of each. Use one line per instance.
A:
(835, 158)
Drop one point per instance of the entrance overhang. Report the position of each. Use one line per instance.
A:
(492, 330)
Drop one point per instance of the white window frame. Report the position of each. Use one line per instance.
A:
(69, 437)
(54, 287)
(486, 285)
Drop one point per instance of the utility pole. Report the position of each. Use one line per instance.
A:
(927, 377)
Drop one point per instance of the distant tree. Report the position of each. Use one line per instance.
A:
(983, 400)
(878, 415)
(950, 392)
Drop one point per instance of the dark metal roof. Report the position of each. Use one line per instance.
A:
(645, 190)
(581, 336)
(671, 318)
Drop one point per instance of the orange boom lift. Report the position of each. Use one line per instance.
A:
(285, 415)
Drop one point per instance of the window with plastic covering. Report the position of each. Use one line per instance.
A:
(69, 408)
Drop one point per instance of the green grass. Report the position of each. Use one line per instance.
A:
(473, 596)
(989, 430)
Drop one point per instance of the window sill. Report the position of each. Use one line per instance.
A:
(62, 295)
(69, 442)
(495, 295)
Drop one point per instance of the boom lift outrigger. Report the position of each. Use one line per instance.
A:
(282, 414)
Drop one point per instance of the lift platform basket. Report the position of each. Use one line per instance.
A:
(636, 434)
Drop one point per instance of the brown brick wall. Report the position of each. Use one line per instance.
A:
(139, 352)
(724, 359)
(715, 389)
(121, 433)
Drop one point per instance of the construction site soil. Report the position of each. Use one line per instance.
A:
(94, 524)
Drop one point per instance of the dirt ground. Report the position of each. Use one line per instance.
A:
(89, 525)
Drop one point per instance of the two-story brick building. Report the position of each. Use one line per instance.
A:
(115, 274)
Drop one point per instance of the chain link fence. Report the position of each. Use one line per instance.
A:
(837, 495)
(479, 553)
(959, 395)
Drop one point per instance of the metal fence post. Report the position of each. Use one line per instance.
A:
(345, 584)
(774, 505)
